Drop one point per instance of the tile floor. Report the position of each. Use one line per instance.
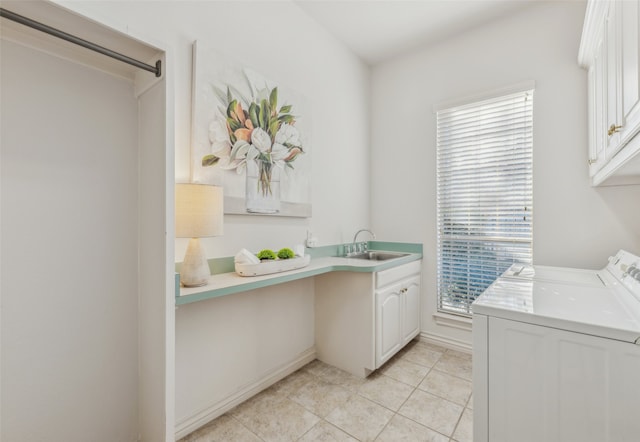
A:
(422, 394)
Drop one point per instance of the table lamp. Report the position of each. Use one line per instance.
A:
(199, 214)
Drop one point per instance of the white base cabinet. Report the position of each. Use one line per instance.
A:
(534, 383)
(397, 313)
(362, 319)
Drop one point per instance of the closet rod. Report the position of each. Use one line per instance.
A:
(79, 41)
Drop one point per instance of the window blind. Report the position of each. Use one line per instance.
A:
(484, 195)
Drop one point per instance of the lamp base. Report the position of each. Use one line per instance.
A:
(195, 268)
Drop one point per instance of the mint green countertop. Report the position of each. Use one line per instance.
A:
(225, 281)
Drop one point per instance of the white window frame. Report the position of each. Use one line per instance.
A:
(467, 150)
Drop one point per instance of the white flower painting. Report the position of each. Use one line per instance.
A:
(250, 136)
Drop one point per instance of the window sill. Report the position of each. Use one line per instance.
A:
(453, 321)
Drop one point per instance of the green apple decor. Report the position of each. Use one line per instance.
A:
(286, 253)
(266, 254)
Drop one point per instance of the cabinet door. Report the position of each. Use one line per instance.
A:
(630, 67)
(598, 94)
(388, 323)
(411, 304)
(613, 40)
(612, 109)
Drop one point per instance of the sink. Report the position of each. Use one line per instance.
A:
(377, 256)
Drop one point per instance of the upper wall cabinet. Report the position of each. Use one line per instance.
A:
(610, 50)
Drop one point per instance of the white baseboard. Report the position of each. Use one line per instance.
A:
(206, 415)
(444, 341)
(453, 321)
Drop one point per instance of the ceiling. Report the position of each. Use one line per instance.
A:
(377, 30)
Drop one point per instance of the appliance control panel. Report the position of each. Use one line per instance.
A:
(625, 267)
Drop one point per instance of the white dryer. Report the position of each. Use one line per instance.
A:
(565, 275)
(556, 354)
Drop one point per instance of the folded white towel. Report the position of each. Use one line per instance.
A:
(246, 257)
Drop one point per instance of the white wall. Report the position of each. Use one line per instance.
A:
(574, 224)
(225, 345)
(69, 245)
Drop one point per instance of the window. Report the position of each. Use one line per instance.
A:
(484, 195)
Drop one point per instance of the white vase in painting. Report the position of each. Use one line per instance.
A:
(263, 187)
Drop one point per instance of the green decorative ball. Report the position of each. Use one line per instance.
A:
(266, 254)
(285, 253)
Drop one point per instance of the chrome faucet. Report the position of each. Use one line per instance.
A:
(357, 247)
(355, 237)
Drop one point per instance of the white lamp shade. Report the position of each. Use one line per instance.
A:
(199, 211)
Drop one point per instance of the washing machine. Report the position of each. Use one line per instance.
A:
(556, 354)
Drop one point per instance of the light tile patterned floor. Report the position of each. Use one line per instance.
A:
(422, 394)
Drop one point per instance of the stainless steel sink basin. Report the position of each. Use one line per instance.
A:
(377, 256)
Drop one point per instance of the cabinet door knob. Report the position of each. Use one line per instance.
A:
(613, 129)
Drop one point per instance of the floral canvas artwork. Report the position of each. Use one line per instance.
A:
(250, 136)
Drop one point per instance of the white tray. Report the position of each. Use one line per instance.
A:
(272, 266)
